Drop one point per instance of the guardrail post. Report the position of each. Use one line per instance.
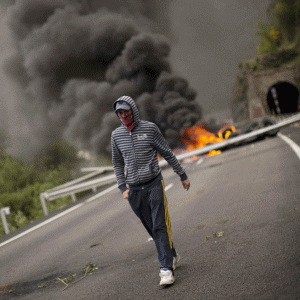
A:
(5, 211)
(44, 204)
(94, 189)
(73, 197)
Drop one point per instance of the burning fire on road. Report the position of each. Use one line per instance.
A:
(198, 136)
(203, 134)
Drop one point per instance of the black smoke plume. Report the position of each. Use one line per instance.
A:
(74, 60)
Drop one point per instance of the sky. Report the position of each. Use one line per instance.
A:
(199, 43)
(212, 37)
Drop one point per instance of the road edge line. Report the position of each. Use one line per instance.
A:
(169, 186)
(200, 161)
(102, 193)
(40, 225)
(291, 143)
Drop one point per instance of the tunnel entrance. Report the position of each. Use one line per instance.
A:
(283, 98)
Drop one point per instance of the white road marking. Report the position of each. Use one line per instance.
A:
(41, 224)
(102, 193)
(291, 143)
(58, 216)
(66, 212)
(169, 186)
(200, 161)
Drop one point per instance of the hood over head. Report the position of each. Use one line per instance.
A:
(131, 103)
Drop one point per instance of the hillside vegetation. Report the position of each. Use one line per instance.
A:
(279, 37)
(21, 183)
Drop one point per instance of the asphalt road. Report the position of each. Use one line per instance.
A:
(249, 195)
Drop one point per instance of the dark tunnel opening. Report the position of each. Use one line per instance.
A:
(283, 98)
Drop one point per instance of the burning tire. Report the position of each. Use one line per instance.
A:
(255, 125)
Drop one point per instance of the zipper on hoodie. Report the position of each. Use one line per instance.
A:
(137, 171)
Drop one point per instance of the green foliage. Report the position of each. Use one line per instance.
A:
(283, 29)
(14, 174)
(270, 38)
(287, 15)
(58, 153)
(21, 184)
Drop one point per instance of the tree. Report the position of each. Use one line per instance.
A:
(287, 15)
(283, 29)
(270, 38)
(21, 183)
(58, 153)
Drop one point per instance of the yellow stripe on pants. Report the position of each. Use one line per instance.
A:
(167, 216)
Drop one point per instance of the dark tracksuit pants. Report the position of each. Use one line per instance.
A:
(149, 203)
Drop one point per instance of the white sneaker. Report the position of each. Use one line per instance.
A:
(166, 277)
(176, 259)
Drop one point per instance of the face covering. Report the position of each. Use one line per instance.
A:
(128, 120)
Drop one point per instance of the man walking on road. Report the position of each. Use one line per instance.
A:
(135, 145)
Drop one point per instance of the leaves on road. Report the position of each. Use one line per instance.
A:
(88, 269)
(293, 209)
(215, 234)
(218, 234)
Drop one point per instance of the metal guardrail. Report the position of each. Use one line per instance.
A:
(96, 171)
(74, 186)
(3, 212)
(234, 140)
(69, 189)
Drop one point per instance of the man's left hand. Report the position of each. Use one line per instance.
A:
(186, 184)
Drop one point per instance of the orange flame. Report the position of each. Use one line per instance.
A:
(197, 136)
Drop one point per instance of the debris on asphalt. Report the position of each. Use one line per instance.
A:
(215, 234)
(218, 234)
(253, 125)
(88, 269)
(293, 209)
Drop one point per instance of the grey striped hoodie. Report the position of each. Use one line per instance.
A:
(134, 153)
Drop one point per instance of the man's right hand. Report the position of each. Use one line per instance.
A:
(186, 184)
(126, 194)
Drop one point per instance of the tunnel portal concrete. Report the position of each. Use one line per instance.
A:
(268, 92)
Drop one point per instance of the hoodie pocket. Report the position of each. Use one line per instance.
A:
(146, 172)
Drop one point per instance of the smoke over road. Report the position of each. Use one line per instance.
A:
(73, 62)
(213, 37)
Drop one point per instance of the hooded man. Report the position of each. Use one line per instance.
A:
(135, 145)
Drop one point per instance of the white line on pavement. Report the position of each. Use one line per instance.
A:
(291, 143)
(41, 224)
(169, 186)
(102, 193)
(200, 161)
(58, 216)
